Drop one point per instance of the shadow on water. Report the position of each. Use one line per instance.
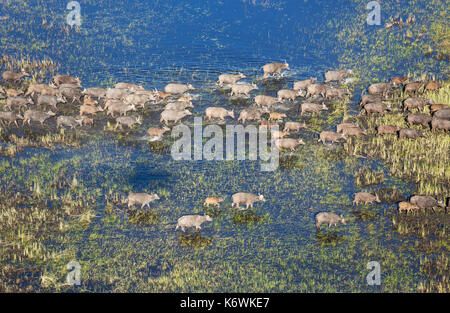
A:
(274, 84)
(214, 211)
(329, 236)
(159, 146)
(289, 161)
(365, 215)
(143, 218)
(193, 238)
(248, 218)
(147, 176)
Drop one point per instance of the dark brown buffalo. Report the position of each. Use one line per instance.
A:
(419, 119)
(437, 123)
(387, 129)
(416, 103)
(13, 76)
(410, 133)
(443, 114)
(413, 87)
(376, 107)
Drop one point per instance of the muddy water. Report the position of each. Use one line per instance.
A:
(274, 247)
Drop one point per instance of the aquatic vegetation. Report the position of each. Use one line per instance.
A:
(66, 189)
(366, 177)
(391, 195)
(437, 269)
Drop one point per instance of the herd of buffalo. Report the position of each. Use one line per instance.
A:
(27, 104)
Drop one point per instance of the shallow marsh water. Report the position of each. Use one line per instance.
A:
(274, 247)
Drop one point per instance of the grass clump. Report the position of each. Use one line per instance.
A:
(142, 218)
(366, 177)
(437, 269)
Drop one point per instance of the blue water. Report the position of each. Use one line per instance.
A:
(150, 39)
